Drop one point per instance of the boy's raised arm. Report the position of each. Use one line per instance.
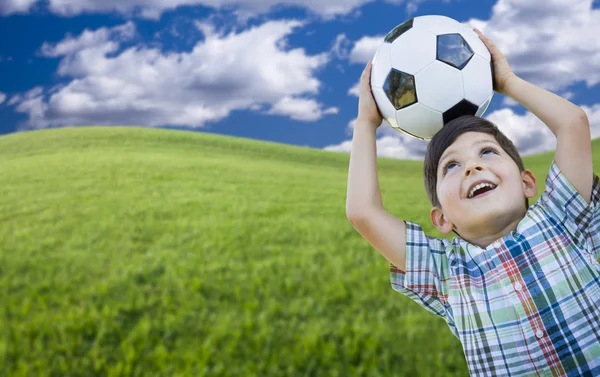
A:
(364, 207)
(567, 121)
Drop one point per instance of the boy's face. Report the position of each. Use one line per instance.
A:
(480, 189)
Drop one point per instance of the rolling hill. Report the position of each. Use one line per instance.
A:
(128, 251)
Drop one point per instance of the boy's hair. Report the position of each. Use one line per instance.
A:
(447, 135)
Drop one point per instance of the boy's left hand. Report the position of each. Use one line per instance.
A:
(502, 71)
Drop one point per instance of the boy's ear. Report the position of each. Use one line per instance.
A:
(439, 220)
(529, 183)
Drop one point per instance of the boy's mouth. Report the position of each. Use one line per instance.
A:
(480, 190)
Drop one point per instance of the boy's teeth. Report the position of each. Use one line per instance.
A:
(481, 185)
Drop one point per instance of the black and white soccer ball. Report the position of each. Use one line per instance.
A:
(428, 71)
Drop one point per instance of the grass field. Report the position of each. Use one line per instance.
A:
(144, 252)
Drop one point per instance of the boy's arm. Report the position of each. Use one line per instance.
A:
(364, 207)
(425, 279)
(567, 121)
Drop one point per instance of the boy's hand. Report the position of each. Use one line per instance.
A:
(367, 108)
(502, 71)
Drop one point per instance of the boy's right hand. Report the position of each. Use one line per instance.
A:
(367, 108)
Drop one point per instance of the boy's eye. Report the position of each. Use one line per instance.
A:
(449, 166)
(491, 150)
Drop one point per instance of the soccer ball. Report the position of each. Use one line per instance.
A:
(428, 71)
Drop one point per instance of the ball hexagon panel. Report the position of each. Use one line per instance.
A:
(476, 44)
(452, 49)
(483, 107)
(381, 66)
(413, 51)
(399, 87)
(476, 84)
(398, 31)
(464, 107)
(439, 86)
(437, 24)
(387, 110)
(419, 121)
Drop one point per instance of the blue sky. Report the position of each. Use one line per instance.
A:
(275, 70)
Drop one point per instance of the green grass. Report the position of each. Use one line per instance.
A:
(144, 252)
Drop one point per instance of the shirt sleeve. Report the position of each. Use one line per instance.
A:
(563, 200)
(426, 277)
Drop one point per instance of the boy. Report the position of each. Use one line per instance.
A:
(518, 286)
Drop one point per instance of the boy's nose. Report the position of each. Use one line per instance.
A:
(471, 168)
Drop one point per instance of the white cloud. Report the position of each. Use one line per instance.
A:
(341, 46)
(252, 69)
(15, 6)
(390, 143)
(526, 131)
(530, 135)
(153, 9)
(244, 7)
(88, 40)
(553, 45)
(301, 109)
(387, 146)
(355, 90)
(364, 49)
(507, 101)
(2, 98)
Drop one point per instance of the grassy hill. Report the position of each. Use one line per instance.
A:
(146, 252)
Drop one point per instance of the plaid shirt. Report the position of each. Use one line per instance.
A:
(529, 303)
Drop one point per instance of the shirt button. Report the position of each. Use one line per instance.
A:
(518, 286)
(539, 334)
(496, 244)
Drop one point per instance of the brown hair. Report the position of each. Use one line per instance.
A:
(447, 135)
